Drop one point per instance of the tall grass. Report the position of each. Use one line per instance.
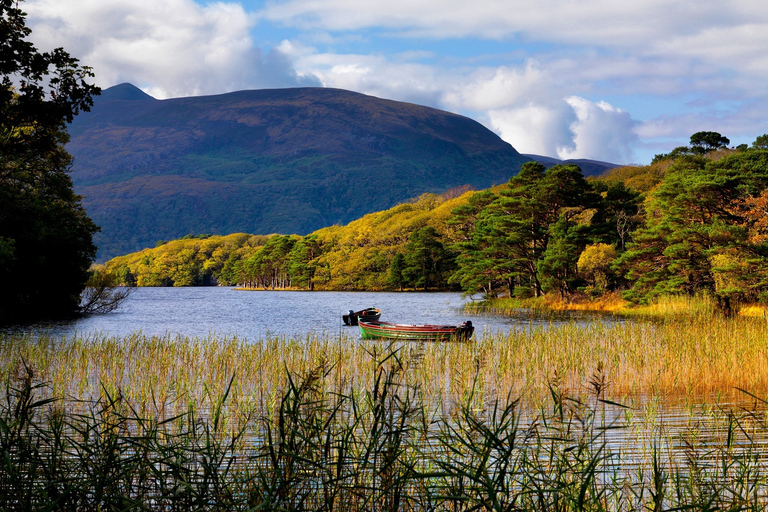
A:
(668, 307)
(688, 357)
(381, 444)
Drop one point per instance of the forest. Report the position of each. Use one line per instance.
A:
(693, 221)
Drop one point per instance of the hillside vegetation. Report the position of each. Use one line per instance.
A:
(352, 257)
(266, 161)
(687, 224)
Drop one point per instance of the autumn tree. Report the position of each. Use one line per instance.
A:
(595, 263)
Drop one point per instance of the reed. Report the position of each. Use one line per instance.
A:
(668, 307)
(688, 357)
(381, 445)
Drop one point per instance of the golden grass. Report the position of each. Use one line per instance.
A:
(674, 306)
(754, 310)
(608, 303)
(686, 357)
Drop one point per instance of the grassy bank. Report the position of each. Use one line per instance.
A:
(663, 308)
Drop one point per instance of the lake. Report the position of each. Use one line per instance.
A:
(253, 315)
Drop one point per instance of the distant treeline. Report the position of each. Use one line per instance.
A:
(695, 220)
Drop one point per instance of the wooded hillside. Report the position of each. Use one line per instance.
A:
(692, 223)
(266, 161)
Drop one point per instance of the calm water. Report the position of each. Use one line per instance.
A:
(257, 314)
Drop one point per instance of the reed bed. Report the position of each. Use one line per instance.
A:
(560, 417)
(686, 358)
(377, 441)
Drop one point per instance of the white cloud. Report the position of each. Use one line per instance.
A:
(601, 132)
(536, 129)
(630, 23)
(571, 128)
(492, 89)
(375, 75)
(170, 48)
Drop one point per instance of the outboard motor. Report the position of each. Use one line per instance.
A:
(465, 330)
(350, 318)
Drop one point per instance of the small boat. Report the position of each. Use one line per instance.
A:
(406, 332)
(368, 314)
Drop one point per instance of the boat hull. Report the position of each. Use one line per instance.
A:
(406, 332)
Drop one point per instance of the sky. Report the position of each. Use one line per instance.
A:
(611, 80)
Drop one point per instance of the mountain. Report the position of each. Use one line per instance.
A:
(588, 167)
(266, 161)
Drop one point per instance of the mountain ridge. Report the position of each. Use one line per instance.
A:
(588, 167)
(266, 161)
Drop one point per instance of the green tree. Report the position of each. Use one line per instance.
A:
(761, 142)
(526, 212)
(530, 234)
(474, 268)
(302, 262)
(558, 264)
(397, 269)
(700, 232)
(511, 231)
(269, 266)
(617, 214)
(426, 259)
(46, 237)
(703, 142)
(673, 155)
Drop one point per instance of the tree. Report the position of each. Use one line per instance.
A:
(269, 267)
(426, 259)
(397, 269)
(558, 264)
(761, 142)
(526, 213)
(617, 214)
(46, 238)
(595, 265)
(703, 142)
(673, 155)
(301, 261)
(703, 232)
(529, 235)
(474, 271)
(102, 295)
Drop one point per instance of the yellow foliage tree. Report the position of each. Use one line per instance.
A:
(595, 266)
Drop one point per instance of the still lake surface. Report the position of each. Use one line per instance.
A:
(253, 315)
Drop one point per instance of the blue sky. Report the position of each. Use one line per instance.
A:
(608, 80)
